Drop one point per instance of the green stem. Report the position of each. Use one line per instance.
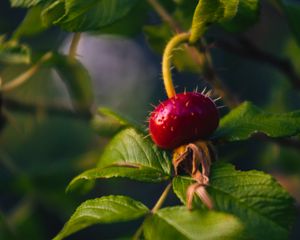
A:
(156, 207)
(162, 199)
(166, 61)
(26, 75)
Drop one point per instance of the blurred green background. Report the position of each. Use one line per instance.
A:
(41, 152)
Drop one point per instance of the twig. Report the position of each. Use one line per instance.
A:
(219, 87)
(32, 108)
(202, 59)
(290, 183)
(162, 199)
(287, 142)
(156, 207)
(74, 45)
(165, 16)
(247, 49)
(26, 75)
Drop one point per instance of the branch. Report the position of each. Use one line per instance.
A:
(74, 45)
(247, 49)
(165, 15)
(202, 59)
(211, 76)
(286, 142)
(32, 108)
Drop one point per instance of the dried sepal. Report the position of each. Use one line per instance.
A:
(188, 159)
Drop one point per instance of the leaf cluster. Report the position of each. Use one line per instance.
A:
(247, 204)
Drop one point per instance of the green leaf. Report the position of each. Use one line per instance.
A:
(129, 25)
(130, 155)
(247, 15)
(88, 15)
(131, 148)
(31, 24)
(13, 52)
(291, 9)
(77, 80)
(108, 209)
(25, 3)
(135, 172)
(208, 12)
(181, 224)
(247, 119)
(265, 208)
(107, 122)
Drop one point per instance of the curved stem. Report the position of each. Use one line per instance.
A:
(200, 57)
(166, 62)
(26, 75)
(156, 207)
(74, 45)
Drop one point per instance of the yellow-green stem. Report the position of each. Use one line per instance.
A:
(166, 61)
(156, 207)
(74, 45)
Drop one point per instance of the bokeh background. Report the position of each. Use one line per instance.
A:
(40, 152)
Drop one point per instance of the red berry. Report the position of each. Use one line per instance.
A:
(183, 119)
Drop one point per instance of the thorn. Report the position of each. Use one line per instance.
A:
(203, 91)
(215, 100)
(208, 94)
(161, 103)
(219, 107)
(148, 135)
(196, 90)
(152, 105)
(184, 92)
(178, 49)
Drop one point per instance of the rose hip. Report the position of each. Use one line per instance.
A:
(183, 119)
